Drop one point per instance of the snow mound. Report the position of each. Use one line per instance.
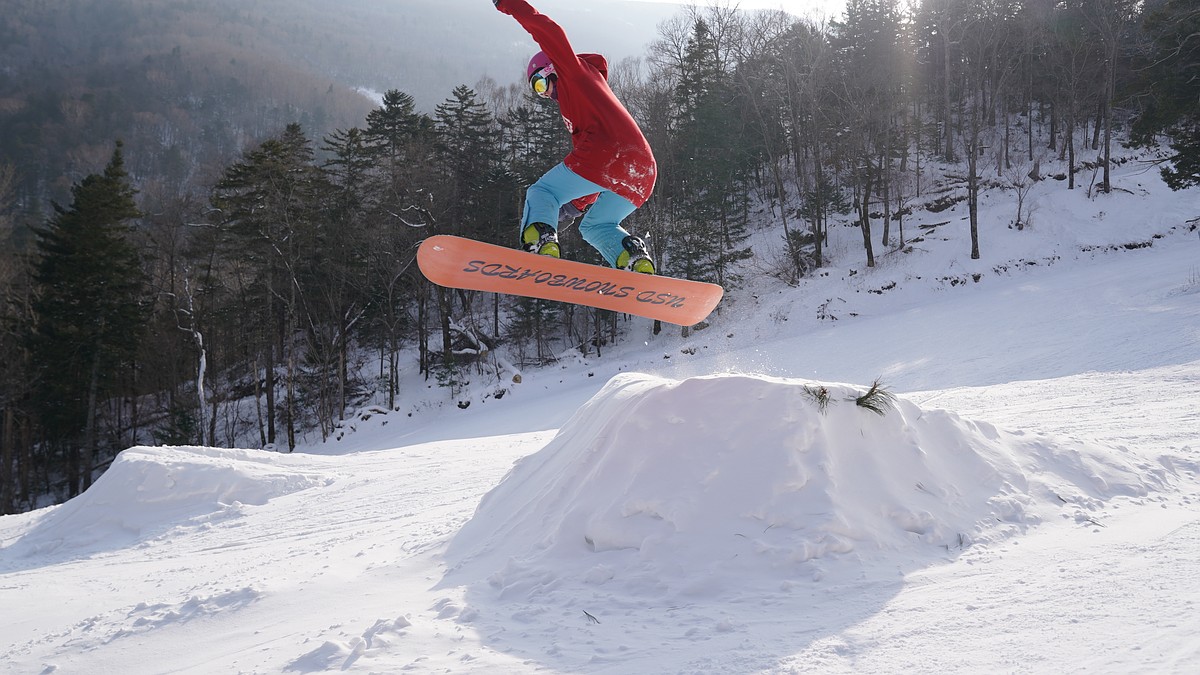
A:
(676, 484)
(148, 493)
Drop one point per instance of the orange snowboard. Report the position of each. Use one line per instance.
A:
(456, 262)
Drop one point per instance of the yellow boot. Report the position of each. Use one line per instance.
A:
(540, 238)
(635, 257)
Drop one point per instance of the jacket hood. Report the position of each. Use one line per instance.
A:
(596, 61)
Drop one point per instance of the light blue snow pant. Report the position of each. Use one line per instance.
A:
(600, 226)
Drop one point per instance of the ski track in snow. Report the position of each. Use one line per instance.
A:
(1049, 412)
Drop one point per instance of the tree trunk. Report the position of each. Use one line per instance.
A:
(343, 370)
(818, 212)
(1108, 106)
(865, 216)
(1053, 146)
(270, 387)
(258, 407)
(948, 128)
(88, 451)
(1007, 145)
(212, 420)
(289, 415)
(1029, 109)
(288, 336)
(496, 314)
(27, 471)
(8, 476)
(885, 163)
(444, 311)
(423, 327)
(1069, 144)
(973, 193)
(793, 249)
(201, 371)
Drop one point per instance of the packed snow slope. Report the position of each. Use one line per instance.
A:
(1029, 501)
(711, 485)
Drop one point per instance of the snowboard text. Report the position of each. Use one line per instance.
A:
(574, 283)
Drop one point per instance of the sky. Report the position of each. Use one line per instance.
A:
(797, 7)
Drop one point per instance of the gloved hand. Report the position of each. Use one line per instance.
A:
(575, 208)
(568, 212)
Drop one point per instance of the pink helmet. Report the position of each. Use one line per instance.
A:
(539, 61)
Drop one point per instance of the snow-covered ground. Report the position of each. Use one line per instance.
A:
(1029, 502)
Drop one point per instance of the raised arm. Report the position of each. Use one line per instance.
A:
(549, 35)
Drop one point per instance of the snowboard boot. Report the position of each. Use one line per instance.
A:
(540, 238)
(635, 257)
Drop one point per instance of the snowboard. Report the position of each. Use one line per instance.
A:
(456, 262)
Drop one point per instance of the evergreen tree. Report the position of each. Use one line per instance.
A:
(467, 154)
(468, 157)
(396, 123)
(713, 164)
(1173, 88)
(339, 281)
(536, 140)
(868, 44)
(404, 143)
(349, 169)
(90, 313)
(820, 202)
(268, 212)
(15, 297)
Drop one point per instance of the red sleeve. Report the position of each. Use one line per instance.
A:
(549, 35)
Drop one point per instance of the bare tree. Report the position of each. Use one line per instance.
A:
(1110, 19)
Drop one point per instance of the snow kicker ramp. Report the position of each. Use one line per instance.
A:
(151, 493)
(663, 487)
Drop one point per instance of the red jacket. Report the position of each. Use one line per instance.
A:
(608, 147)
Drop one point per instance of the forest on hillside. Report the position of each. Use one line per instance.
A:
(185, 85)
(172, 296)
(188, 84)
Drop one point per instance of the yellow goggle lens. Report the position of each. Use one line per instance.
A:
(540, 81)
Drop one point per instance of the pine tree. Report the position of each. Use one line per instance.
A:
(339, 280)
(468, 157)
(467, 153)
(868, 43)
(90, 312)
(15, 315)
(268, 213)
(713, 165)
(396, 123)
(536, 140)
(402, 141)
(1172, 88)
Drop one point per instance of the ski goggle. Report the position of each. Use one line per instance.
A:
(540, 81)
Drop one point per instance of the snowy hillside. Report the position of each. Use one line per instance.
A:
(1028, 502)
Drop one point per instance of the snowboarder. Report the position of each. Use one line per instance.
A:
(610, 171)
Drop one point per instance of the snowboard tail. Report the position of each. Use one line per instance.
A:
(456, 262)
